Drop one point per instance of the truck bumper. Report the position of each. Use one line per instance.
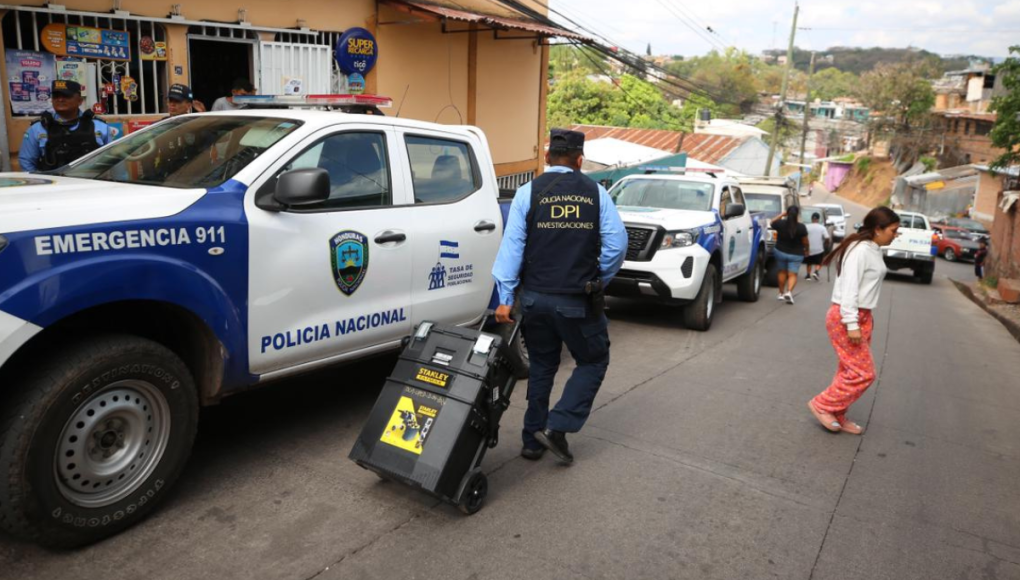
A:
(673, 275)
(14, 332)
(899, 259)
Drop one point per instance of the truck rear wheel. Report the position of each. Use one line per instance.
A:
(925, 274)
(771, 272)
(749, 285)
(92, 442)
(698, 314)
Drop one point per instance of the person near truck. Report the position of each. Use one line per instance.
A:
(860, 270)
(564, 242)
(818, 239)
(64, 134)
(181, 101)
(979, 259)
(240, 88)
(791, 249)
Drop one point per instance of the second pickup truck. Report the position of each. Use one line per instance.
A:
(687, 236)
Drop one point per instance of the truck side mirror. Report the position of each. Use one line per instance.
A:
(733, 210)
(302, 186)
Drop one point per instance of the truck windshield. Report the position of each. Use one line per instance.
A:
(187, 152)
(768, 204)
(663, 194)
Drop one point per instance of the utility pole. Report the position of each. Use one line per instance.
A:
(807, 108)
(782, 93)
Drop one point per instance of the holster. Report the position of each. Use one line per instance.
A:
(596, 297)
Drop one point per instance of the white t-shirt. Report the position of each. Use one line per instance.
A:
(816, 235)
(859, 282)
(224, 104)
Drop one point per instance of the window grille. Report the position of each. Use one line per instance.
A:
(514, 181)
(21, 30)
(338, 82)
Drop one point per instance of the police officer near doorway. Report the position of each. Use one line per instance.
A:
(564, 241)
(63, 135)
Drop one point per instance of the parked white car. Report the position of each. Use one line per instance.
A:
(837, 217)
(915, 247)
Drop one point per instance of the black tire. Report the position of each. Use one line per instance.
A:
(518, 352)
(771, 272)
(107, 380)
(698, 314)
(949, 255)
(749, 285)
(472, 497)
(925, 275)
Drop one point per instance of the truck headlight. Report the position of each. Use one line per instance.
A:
(680, 239)
(3, 243)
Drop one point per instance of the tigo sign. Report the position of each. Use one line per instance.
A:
(356, 51)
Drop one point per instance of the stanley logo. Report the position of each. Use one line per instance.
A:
(432, 377)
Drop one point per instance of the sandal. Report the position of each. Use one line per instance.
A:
(828, 420)
(851, 428)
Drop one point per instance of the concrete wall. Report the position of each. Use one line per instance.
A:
(1004, 251)
(509, 110)
(989, 186)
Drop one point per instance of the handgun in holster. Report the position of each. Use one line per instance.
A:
(596, 296)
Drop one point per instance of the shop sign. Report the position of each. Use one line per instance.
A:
(73, 70)
(137, 125)
(129, 88)
(29, 76)
(293, 86)
(149, 49)
(356, 51)
(355, 84)
(116, 130)
(84, 41)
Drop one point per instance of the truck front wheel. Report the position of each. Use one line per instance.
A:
(749, 285)
(94, 440)
(698, 314)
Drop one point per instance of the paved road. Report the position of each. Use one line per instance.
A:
(701, 461)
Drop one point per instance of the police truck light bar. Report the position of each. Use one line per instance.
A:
(314, 100)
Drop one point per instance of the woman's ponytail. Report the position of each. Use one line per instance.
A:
(878, 218)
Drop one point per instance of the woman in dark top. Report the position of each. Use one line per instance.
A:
(791, 249)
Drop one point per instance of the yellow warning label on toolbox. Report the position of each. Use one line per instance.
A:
(432, 377)
(409, 425)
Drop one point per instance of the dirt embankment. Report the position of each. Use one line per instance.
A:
(869, 183)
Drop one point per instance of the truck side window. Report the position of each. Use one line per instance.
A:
(359, 174)
(724, 200)
(442, 171)
(738, 196)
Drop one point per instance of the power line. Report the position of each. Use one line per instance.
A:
(915, 29)
(689, 23)
(703, 24)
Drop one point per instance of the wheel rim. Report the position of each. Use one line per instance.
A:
(112, 443)
(950, 254)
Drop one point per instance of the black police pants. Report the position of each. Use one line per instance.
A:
(550, 321)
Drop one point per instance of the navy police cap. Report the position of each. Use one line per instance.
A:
(566, 140)
(65, 87)
(179, 92)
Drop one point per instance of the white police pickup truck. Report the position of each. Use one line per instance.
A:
(200, 257)
(687, 235)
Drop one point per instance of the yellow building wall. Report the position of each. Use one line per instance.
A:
(509, 79)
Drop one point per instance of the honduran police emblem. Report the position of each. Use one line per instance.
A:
(349, 257)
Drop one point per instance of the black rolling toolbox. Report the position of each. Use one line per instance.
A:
(438, 413)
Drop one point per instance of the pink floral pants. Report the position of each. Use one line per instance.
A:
(856, 369)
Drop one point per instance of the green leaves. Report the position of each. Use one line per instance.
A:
(1006, 131)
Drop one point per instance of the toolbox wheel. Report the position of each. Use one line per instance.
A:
(473, 497)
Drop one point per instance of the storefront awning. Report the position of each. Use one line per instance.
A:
(487, 20)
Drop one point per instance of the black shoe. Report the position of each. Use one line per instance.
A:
(555, 441)
(532, 454)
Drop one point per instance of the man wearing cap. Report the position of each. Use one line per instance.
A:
(180, 101)
(64, 135)
(564, 241)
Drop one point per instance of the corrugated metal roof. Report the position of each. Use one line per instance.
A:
(707, 148)
(489, 20)
(964, 114)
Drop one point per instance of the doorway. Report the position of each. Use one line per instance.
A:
(215, 64)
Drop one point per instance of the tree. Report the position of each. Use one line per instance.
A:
(1006, 131)
(830, 83)
(729, 77)
(901, 91)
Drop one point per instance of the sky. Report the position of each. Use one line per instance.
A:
(981, 27)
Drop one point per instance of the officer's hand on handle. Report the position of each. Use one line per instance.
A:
(503, 314)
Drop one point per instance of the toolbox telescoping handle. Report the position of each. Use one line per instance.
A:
(489, 313)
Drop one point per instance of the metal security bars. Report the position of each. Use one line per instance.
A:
(22, 28)
(338, 82)
(514, 181)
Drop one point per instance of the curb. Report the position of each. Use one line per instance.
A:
(967, 291)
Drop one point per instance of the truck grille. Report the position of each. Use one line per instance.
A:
(641, 243)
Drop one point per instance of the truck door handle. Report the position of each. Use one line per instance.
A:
(390, 237)
(485, 226)
(740, 231)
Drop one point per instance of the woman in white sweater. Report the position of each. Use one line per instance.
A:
(859, 273)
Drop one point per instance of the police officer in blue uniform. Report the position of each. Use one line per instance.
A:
(63, 135)
(564, 241)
